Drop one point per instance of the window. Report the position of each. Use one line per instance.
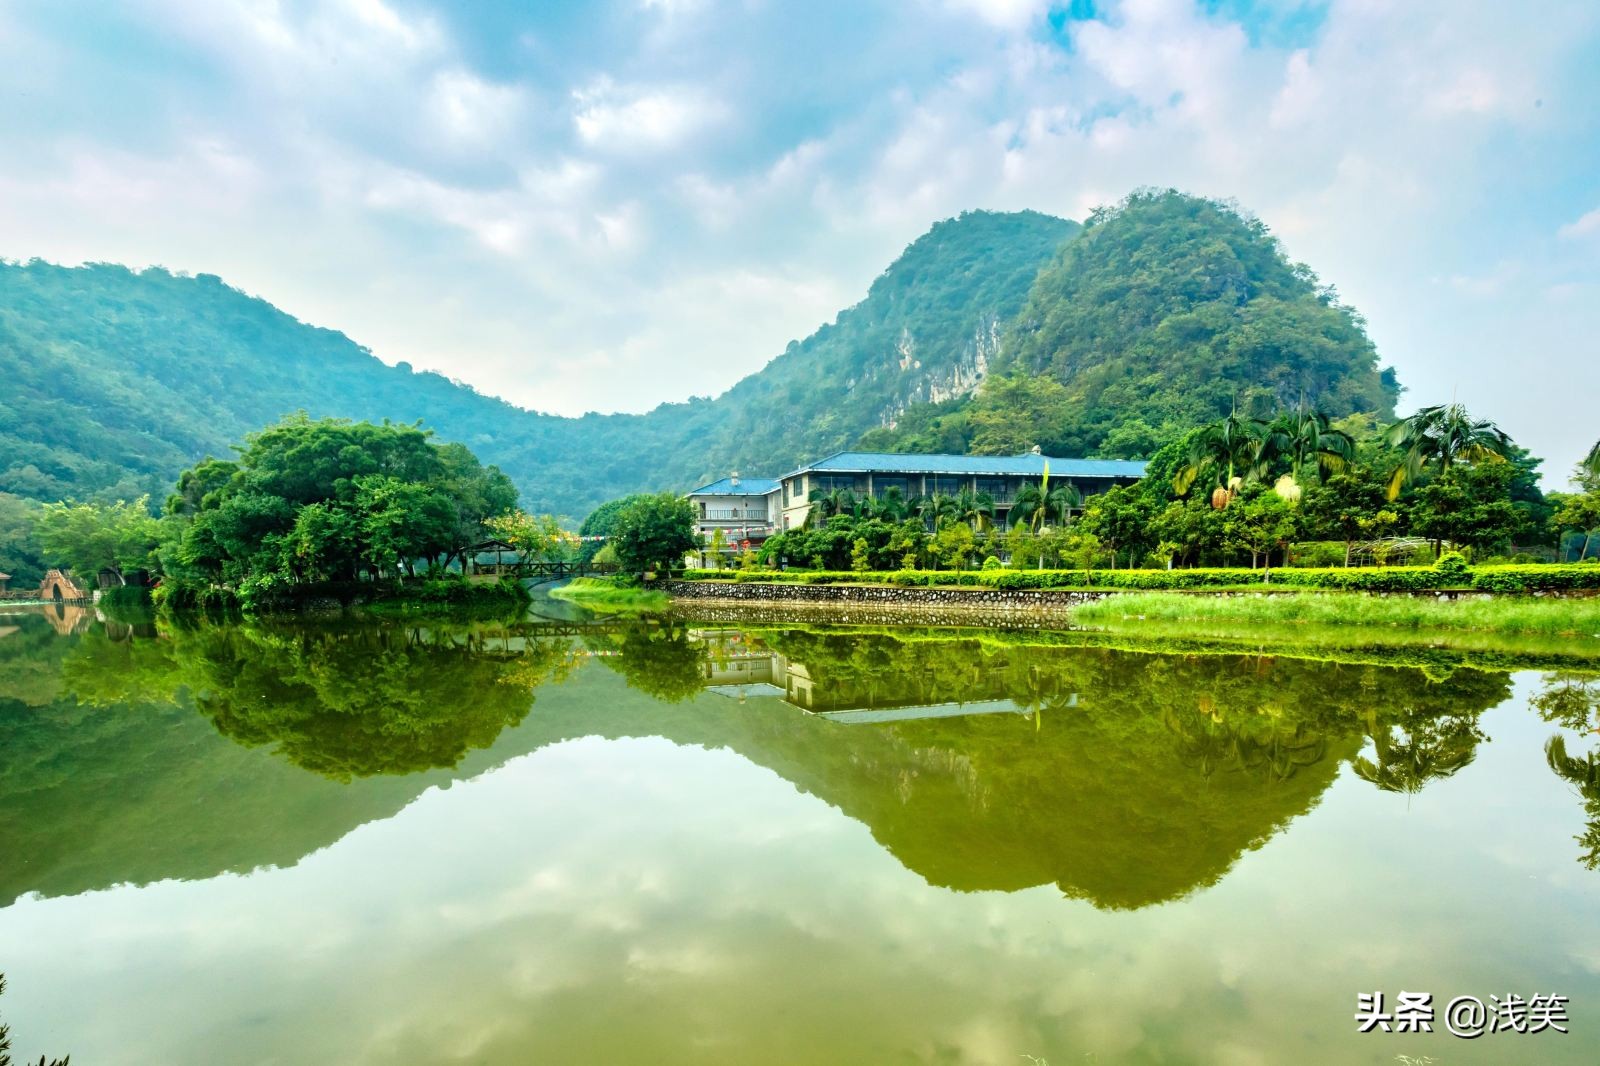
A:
(947, 486)
(998, 487)
(882, 485)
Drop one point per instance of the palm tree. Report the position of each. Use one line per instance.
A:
(975, 508)
(892, 505)
(1591, 462)
(1234, 450)
(1027, 505)
(1061, 502)
(936, 508)
(1441, 436)
(1308, 438)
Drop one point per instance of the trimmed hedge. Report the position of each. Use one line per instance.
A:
(1514, 578)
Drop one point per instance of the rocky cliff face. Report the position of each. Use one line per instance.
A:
(952, 381)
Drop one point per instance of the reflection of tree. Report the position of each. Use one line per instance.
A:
(1418, 748)
(344, 701)
(1583, 774)
(1568, 700)
(1264, 744)
(657, 659)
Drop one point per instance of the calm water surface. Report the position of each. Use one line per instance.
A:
(691, 842)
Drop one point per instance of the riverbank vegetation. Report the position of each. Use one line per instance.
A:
(1575, 617)
(610, 596)
(311, 512)
(1290, 490)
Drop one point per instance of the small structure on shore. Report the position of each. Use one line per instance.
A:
(4, 580)
(58, 586)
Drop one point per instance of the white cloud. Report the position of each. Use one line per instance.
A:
(1006, 14)
(614, 118)
(1586, 225)
(469, 110)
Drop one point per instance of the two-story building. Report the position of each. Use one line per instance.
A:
(749, 510)
(913, 476)
(744, 509)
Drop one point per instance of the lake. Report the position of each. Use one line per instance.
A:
(568, 840)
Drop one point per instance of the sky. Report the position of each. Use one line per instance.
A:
(608, 205)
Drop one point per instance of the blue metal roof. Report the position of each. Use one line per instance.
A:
(1027, 464)
(747, 486)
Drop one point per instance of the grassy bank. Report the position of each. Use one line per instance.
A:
(1301, 610)
(604, 594)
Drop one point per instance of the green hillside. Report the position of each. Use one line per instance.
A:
(1155, 319)
(117, 380)
(1167, 311)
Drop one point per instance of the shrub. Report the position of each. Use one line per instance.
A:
(991, 563)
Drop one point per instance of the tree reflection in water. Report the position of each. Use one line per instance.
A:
(1122, 778)
(343, 701)
(1572, 702)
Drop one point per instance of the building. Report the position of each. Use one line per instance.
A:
(742, 508)
(749, 510)
(913, 476)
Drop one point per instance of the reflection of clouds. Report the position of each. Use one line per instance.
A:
(632, 900)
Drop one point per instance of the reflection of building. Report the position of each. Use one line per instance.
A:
(740, 666)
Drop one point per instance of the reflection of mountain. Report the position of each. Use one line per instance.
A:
(1126, 779)
(1140, 777)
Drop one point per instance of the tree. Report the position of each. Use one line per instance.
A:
(1261, 522)
(1189, 530)
(21, 555)
(1438, 437)
(1579, 512)
(860, 558)
(953, 545)
(1232, 452)
(1307, 438)
(1120, 518)
(654, 532)
(1350, 506)
(1591, 461)
(88, 538)
(1468, 506)
(537, 537)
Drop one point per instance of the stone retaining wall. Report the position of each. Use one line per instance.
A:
(964, 600)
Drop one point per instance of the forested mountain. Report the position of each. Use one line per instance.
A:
(116, 380)
(1158, 317)
(1165, 313)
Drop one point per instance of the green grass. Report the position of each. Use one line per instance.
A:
(604, 594)
(1579, 617)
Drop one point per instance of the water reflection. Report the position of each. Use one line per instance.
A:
(687, 842)
(979, 760)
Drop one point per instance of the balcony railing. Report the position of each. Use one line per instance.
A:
(734, 516)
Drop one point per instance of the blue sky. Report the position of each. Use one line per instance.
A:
(603, 206)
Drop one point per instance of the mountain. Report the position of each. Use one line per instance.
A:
(991, 333)
(117, 380)
(1166, 312)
